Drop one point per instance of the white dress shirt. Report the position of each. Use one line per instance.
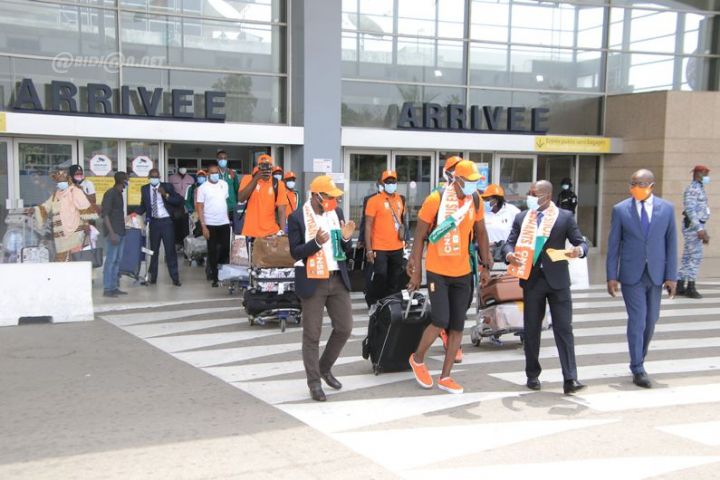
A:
(162, 211)
(648, 207)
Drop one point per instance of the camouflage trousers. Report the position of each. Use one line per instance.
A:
(692, 256)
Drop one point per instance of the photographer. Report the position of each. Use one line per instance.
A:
(266, 199)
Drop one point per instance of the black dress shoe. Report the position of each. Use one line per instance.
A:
(177, 283)
(572, 386)
(110, 293)
(533, 383)
(332, 381)
(317, 394)
(642, 380)
(117, 291)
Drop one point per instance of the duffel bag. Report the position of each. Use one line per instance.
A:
(272, 252)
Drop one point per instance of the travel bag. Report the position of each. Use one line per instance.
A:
(132, 255)
(394, 332)
(195, 247)
(500, 289)
(256, 303)
(272, 252)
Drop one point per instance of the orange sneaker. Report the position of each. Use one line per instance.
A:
(422, 376)
(444, 338)
(449, 385)
(458, 355)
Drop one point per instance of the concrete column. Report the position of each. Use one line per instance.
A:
(316, 83)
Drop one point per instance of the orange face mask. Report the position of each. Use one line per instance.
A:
(640, 193)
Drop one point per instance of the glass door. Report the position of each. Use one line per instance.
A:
(556, 168)
(414, 170)
(36, 161)
(515, 174)
(5, 198)
(362, 170)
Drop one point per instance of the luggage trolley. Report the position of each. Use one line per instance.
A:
(270, 296)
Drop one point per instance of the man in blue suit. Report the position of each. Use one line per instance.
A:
(321, 241)
(642, 257)
(159, 200)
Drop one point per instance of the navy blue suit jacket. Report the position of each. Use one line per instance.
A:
(565, 228)
(172, 202)
(628, 251)
(301, 250)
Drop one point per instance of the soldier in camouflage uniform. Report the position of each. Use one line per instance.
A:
(695, 215)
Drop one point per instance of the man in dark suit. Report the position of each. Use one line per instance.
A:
(642, 256)
(547, 281)
(158, 201)
(321, 241)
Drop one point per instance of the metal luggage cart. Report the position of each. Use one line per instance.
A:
(271, 298)
(501, 319)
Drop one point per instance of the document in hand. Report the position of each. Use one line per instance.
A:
(558, 255)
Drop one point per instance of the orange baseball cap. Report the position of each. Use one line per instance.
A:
(289, 174)
(277, 169)
(452, 162)
(264, 158)
(493, 190)
(467, 170)
(388, 174)
(325, 184)
(701, 168)
(201, 173)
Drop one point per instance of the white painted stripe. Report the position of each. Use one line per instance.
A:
(394, 450)
(620, 468)
(618, 303)
(180, 343)
(686, 365)
(255, 371)
(171, 328)
(707, 433)
(659, 328)
(654, 398)
(283, 391)
(220, 356)
(330, 417)
(607, 316)
(120, 307)
(473, 357)
(126, 319)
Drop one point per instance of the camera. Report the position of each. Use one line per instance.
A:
(265, 167)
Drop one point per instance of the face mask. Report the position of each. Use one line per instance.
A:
(381, 188)
(154, 181)
(201, 180)
(127, 184)
(488, 207)
(290, 184)
(390, 188)
(706, 179)
(214, 177)
(640, 193)
(78, 178)
(328, 205)
(533, 203)
(277, 177)
(566, 187)
(469, 188)
(182, 171)
(222, 163)
(62, 186)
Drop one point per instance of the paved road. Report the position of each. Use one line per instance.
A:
(497, 429)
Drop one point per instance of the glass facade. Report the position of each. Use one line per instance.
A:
(566, 56)
(238, 47)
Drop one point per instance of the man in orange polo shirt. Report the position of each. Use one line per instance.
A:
(292, 194)
(266, 201)
(385, 239)
(448, 265)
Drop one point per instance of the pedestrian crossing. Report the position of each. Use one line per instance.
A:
(376, 415)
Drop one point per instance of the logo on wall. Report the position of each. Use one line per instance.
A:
(100, 165)
(141, 166)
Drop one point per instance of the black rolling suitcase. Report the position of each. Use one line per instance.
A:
(132, 255)
(394, 331)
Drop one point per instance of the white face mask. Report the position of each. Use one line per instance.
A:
(182, 171)
(291, 184)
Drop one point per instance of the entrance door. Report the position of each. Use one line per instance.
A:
(414, 170)
(364, 170)
(515, 174)
(36, 161)
(6, 201)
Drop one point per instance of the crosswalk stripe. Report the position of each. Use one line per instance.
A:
(659, 328)
(181, 343)
(654, 398)
(156, 329)
(254, 371)
(126, 319)
(705, 432)
(594, 372)
(220, 356)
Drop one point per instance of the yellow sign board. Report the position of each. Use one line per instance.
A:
(3, 122)
(133, 194)
(548, 143)
(102, 185)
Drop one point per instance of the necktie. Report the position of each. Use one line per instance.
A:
(644, 219)
(154, 203)
(539, 218)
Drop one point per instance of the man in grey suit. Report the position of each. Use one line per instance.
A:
(642, 257)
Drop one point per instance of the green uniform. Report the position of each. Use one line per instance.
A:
(232, 178)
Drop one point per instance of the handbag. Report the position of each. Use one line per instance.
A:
(92, 255)
(398, 224)
(272, 252)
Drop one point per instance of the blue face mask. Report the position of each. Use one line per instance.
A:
(290, 184)
(277, 177)
(154, 181)
(62, 186)
(533, 203)
(201, 180)
(566, 187)
(488, 207)
(469, 188)
(390, 188)
(222, 163)
(214, 177)
(706, 179)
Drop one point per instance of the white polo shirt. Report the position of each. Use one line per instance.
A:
(214, 196)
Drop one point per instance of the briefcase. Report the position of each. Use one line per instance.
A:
(272, 252)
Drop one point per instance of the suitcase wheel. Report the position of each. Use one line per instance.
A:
(251, 319)
(283, 325)
(476, 341)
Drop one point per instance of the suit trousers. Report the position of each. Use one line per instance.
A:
(332, 294)
(642, 302)
(163, 230)
(536, 293)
